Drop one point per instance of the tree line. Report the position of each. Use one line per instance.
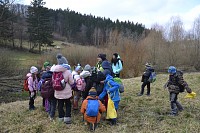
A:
(40, 26)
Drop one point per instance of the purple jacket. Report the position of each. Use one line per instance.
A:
(32, 85)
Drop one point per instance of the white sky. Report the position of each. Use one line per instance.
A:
(147, 12)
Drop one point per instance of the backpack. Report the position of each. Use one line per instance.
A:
(92, 108)
(25, 85)
(57, 79)
(80, 84)
(119, 82)
(121, 61)
(152, 77)
(180, 75)
(47, 90)
(121, 86)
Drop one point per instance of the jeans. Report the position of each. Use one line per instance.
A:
(175, 105)
(31, 100)
(143, 86)
(61, 111)
(52, 109)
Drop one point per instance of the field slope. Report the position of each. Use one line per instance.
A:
(136, 114)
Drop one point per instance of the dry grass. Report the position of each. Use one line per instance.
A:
(136, 114)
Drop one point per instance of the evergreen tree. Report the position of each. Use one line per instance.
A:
(39, 25)
(6, 18)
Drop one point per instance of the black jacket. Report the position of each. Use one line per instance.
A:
(147, 74)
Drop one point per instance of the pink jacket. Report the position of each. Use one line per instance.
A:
(32, 85)
(67, 92)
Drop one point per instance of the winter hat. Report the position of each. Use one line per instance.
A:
(106, 65)
(47, 64)
(148, 65)
(172, 70)
(87, 67)
(61, 59)
(92, 92)
(102, 56)
(78, 68)
(33, 69)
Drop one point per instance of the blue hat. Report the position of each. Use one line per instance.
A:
(172, 70)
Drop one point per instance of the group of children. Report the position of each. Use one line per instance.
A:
(95, 86)
(60, 85)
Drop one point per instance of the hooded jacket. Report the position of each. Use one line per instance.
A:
(175, 83)
(147, 74)
(88, 118)
(66, 93)
(118, 67)
(111, 88)
(32, 84)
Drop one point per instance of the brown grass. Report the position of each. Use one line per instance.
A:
(136, 114)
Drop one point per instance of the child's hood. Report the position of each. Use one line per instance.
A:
(59, 68)
(28, 75)
(108, 77)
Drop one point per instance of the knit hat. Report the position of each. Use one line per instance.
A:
(92, 92)
(87, 67)
(102, 56)
(61, 59)
(47, 64)
(33, 69)
(78, 68)
(148, 65)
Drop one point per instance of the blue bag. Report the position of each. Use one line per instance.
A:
(92, 108)
(152, 77)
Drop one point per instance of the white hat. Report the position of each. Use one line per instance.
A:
(33, 69)
(52, 68)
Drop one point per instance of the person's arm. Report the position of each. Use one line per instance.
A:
(102, 108)
(184, 84)
(30, 84)
(103, 94)
(70, 78)
(83, 106)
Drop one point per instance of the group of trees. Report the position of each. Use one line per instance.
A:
(42, 24)
(172, 45)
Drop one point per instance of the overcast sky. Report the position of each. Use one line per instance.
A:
(147, 12)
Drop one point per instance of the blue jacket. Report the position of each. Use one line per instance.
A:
(118, 67)
(111, 88)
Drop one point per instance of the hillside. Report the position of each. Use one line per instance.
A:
(136, 114)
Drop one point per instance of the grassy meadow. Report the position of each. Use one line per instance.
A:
(136, 114)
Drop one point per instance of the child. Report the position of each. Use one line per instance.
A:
(87, 75)
(111, 88)
(45, 74)
(176, 84)
(78, 86)
(145, 79)
(97, 109)
(63, 96)
(32, 85)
